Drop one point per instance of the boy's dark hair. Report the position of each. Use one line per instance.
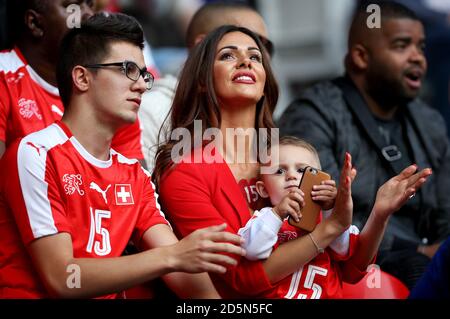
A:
(90, 44)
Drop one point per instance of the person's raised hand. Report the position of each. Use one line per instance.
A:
(343, 207)
(395, 192)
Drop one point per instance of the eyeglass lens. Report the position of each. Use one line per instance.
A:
(133, 72)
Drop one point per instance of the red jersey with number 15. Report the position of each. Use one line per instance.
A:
(28, 104)
(51, 184)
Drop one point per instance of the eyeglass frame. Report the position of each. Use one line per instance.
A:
(123, 65)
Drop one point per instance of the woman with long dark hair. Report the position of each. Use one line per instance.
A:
(226, 83)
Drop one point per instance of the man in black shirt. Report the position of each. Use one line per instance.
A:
(373, 113)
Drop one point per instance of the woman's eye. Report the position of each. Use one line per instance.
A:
(256, 58)
(226, 56)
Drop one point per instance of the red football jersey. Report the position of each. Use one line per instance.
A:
(28, 104)
(318, 279)
(51, 184)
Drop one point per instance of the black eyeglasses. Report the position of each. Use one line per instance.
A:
(267, 44)
(130, 69)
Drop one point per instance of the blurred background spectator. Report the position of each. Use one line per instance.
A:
(435, 15)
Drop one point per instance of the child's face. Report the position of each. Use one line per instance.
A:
(287, 172)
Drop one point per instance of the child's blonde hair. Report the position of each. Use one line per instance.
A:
(295, 141)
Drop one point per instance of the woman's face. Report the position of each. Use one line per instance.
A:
(239, 75)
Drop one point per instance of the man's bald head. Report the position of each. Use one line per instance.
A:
(213, 15)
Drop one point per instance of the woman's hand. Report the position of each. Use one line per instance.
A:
(325, 194)
(341, 218)
(395, 192)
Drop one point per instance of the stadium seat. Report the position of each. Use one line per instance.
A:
(388, 287)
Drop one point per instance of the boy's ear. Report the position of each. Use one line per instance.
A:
(261, 189)
(80, 78)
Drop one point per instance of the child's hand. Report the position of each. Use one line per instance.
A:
(291, 205)
(396, 191)
(325, 194)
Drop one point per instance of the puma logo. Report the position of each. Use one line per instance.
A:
(37, 148)
(95, 187)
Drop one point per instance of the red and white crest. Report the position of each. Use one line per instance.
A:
(72, 184)
(286, 235)
(14, 79)
(28, 108)
(124, 194)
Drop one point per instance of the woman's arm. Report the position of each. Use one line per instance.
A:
(189, 198)
(290, 256)
(390, 197)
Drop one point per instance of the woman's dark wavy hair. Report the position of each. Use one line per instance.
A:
(195, 98)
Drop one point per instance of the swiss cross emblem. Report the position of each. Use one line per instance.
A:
(124, 194)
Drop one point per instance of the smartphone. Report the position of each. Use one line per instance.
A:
(310, 212)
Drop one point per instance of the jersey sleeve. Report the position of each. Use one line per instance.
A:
(127, 141)
(4, 107)
(349, 240)
(343, 247)
(32, 192)
(188, 201)
(150, 213)
(260, 234)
